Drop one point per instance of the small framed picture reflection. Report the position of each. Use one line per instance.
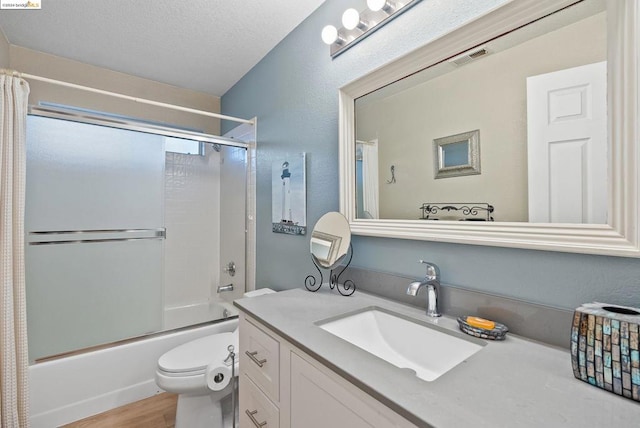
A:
(457, 155)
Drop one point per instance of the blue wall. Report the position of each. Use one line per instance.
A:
(294, 93)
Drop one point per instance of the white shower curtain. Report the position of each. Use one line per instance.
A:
(370, 178)
(14, 362)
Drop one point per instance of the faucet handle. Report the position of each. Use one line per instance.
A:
(433, 272)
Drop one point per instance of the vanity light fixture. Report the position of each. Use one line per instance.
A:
(358, 25)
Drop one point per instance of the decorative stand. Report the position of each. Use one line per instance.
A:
(480, 211)
(346, 289)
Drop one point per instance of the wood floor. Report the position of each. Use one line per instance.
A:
(158, 411)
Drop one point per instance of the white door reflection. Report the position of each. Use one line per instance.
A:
(567, 145)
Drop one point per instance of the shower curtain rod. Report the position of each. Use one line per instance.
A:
(125, 97)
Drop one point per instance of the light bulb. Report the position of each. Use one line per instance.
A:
(376, 5)
(385, 5)
(350, 19)
(329, 34)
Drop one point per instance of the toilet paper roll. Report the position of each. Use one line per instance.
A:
(218, 376)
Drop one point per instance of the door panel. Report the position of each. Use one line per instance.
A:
(567, 145)
(94, 226)
(317, 401)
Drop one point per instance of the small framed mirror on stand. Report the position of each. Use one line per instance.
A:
(330, 245)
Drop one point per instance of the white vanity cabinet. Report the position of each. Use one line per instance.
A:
(281, 386)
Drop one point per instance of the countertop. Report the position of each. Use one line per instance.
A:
(510, 383)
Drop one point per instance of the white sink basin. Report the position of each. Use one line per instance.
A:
(428, 351)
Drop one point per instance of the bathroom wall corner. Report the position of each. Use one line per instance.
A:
(4, 51)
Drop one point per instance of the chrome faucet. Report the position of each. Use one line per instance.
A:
(432, 283)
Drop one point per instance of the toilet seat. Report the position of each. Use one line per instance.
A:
(192, 358)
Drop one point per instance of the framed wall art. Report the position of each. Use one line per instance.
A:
(289, 195)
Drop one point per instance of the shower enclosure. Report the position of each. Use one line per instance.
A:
(131, 229)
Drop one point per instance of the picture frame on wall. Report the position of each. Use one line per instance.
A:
(457, 155)
(289, 195)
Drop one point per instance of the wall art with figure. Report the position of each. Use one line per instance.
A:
(289, 200)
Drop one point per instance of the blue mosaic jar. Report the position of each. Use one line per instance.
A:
(604, 348)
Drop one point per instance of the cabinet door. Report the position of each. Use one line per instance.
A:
(318, 401)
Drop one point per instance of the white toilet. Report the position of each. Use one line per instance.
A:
(183, 371)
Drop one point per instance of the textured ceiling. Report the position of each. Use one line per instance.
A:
(205, 45)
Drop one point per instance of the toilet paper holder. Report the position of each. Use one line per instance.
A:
(232, 359)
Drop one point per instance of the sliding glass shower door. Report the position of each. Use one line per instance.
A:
(94, 224)
(128, 232)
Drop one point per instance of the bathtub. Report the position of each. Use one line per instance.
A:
(73, 388)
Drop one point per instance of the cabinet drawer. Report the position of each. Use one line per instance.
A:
(256, 410)
(260, 358)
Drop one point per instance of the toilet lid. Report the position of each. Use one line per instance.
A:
(198, 354)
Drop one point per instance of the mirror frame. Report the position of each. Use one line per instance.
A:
(620, 237)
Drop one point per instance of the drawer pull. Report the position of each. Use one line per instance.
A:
(254, 420)
(252, 355)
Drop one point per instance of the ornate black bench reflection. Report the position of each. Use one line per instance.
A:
(480, 211)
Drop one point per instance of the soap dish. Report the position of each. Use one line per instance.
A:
(499, 332)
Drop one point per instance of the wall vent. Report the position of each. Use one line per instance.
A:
(469, 56)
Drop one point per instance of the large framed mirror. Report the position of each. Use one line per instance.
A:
(553, 88)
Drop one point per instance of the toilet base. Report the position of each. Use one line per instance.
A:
(196, 411)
